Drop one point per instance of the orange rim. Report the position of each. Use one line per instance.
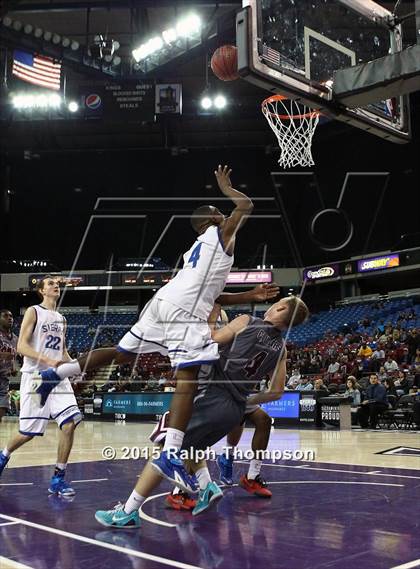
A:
(276, 98)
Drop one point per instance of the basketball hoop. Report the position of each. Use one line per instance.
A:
(294, 125)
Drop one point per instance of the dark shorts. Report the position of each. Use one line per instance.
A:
(215, 413)
(4, 401)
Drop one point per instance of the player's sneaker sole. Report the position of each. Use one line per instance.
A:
(174, 473)
(180, 503)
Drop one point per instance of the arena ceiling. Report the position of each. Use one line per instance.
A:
(128, 21)
(177, 156)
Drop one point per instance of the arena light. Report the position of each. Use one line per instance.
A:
(209, 101)
(170, 36)
(187, 27)
(220, 102)
(206, 103)
(36, 101)
(148, 48)
(17, 26)
(73, 107)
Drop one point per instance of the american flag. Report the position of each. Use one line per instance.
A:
(271, 55)
(37, 69)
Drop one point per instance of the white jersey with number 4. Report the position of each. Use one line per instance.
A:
(203, 276)
(47, 338)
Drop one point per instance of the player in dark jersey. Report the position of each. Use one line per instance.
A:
(8, 344)
(252, 348)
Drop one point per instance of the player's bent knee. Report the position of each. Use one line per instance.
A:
(70, 425)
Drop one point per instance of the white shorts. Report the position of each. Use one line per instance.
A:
(169, 330)
(61, 406)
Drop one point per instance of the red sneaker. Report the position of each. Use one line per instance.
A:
(258, 487)
(180, 501)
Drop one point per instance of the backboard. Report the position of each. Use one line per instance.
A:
(293, 47)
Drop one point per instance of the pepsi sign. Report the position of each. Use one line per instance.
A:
(93, 101)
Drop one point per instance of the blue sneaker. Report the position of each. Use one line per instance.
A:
(207, 497)
(60, 487)
(3, 461)
(226, 469)
(42, 385)
(173, 470)
(117, 518)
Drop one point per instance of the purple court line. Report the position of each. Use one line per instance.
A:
(90, 541)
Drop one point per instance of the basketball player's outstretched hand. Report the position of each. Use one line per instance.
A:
(223, 177)
(265, 292)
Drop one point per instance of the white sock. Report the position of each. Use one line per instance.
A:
(173, 439)
(61, 465)
(5, 452)
(203, 477)
(254, 469)
(134, 502)
(69, 369)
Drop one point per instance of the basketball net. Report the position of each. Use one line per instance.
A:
(294, 125)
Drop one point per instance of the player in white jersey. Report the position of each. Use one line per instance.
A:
(42, 343)
(174, 322)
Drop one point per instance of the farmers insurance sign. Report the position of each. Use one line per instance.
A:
(326, 272)
(378, 263)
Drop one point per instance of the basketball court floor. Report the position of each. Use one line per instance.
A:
(356, 504)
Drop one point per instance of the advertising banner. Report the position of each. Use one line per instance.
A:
(378, 263)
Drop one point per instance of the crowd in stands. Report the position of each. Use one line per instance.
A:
(373, 365)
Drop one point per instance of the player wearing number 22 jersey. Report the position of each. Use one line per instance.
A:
(42, 343)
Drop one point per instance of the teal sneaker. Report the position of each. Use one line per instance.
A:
(117, 518)
(211, 494)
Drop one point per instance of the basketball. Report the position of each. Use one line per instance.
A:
(224, 63)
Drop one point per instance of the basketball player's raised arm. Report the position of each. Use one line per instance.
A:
(243, 209)
(276, 389)
(226, 334)
(23, 347)
(260, 293)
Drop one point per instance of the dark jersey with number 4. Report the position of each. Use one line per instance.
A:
(252, 355)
